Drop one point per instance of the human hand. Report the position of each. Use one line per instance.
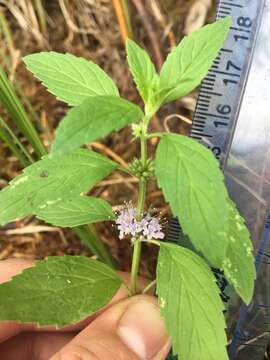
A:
(126, 329)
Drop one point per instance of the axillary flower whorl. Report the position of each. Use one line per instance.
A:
(147, 228)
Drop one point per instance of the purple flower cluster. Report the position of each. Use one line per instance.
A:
(146, 229)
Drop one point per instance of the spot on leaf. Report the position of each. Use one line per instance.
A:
(44, 174)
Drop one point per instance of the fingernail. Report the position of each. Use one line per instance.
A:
(142, 329)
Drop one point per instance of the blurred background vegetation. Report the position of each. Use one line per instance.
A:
(96, 30)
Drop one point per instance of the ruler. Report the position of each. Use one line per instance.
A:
(232, 118)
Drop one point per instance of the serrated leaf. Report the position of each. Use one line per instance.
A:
(76, 211)
(142, 69)
(96, 117)
(59, 290)
(239, 264)
(188, 63)
(71, 79)
(50, 180)
(192, 183)
(190, 303)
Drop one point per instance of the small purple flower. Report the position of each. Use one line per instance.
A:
(153, 230)
(146, 228)
(125, 221)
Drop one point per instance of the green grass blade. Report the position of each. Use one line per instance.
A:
(18, 115)
(7, 139)
(89, 238)
(6, 32)
(15, 145)
(7, 65)
(41, 15)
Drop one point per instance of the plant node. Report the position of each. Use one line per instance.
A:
(141, 170)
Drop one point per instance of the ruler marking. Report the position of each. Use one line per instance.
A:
(232, 4)
(225, 7)
(208, 97)
(202, 105)
(213, 115)
(200, 133)
(224, 73)
(203, 108)
(207, 87)
(209, 83)
(204, 99)
(198, 127)
(226, 50)
(204, 102)
(211, 80)
(199, 122)
(225, 12)
(211, 76)
(201, 117)
(210, 92)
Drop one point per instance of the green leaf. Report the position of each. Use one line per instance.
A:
(190, 303)
(189, 62)
(76, 211)
(239, 265)
(96, 117)
(50, 180)
(72, 79)
(59, 290)
(192, 183)
(142, 69)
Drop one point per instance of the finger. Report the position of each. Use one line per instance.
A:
(33, 345)
(129, 330)
(12, 267)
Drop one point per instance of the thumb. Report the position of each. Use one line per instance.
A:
(130, 330)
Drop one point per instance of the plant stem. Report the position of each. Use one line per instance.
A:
(140, 211)
(135, 266)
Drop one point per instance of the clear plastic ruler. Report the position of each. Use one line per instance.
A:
(232, 118)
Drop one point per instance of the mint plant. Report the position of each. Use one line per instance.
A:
(64, 290)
